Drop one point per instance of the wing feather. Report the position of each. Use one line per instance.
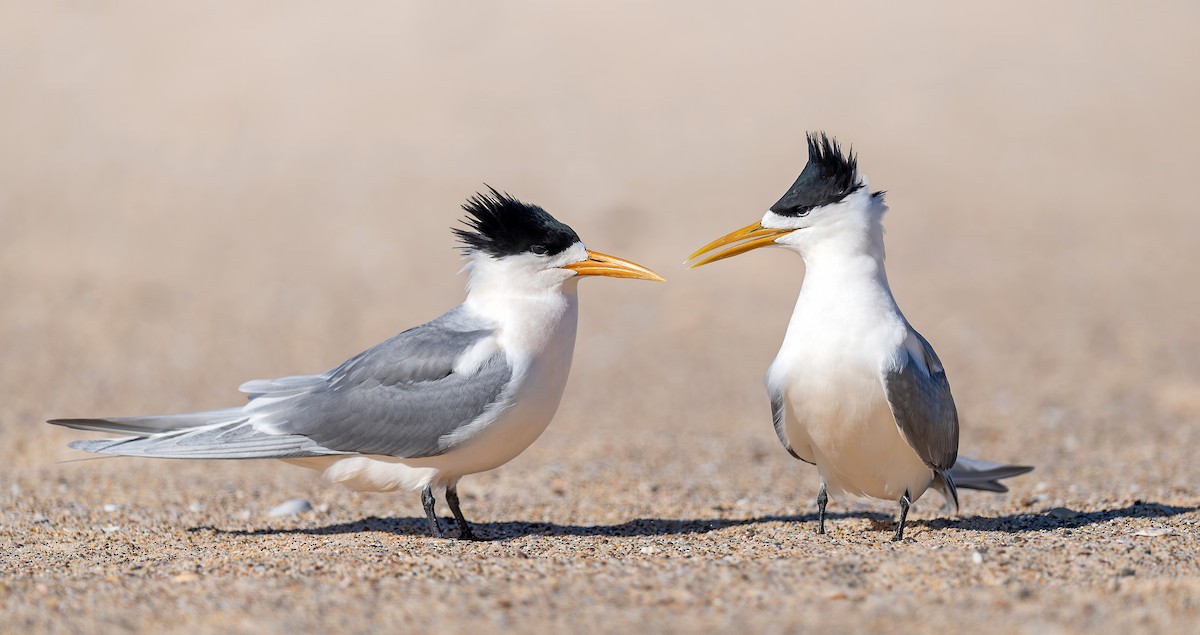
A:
(779, 418)
(401, 398)
(919, 395)
(404, 398)
(230, 440)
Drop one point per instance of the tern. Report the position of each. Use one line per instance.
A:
(462, 394)
(855, 390)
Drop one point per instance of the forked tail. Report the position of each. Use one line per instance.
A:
(972, 473)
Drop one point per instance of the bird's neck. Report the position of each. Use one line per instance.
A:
(844, 272)
(530, 319)
(845, 313)
(851, 250)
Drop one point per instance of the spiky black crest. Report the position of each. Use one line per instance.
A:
(828, 177)
(500, 225)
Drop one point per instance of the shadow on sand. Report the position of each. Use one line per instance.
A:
(1040, 521)
(1045, 520)
(511, 530)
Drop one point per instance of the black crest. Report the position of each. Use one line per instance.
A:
(500, 225)
(828, 177)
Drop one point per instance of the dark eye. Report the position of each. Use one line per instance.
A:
(803, 211)
(539, 250)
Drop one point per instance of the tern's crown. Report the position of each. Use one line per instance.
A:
(500, 225)
(827, 178)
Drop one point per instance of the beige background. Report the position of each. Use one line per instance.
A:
(196, 194)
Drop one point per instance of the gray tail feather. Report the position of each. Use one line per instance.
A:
(282, 386)
(155, 424)
(972, 473)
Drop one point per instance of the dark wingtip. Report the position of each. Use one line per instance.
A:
(97, 425)
(70, 423)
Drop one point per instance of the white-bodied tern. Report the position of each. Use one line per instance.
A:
(855, 389)
(462, 394)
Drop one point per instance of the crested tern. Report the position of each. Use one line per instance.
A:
(855, 390)
(462, 394)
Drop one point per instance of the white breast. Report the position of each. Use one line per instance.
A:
(842, 333)
(841, 421)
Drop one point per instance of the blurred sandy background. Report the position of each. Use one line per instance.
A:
(197, 194)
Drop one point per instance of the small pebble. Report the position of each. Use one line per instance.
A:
(1063, 513)
(291, 508)
(110, 507)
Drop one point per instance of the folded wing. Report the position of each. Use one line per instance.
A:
(919, 395)
(404, 398)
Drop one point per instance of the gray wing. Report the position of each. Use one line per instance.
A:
(214, 434)
(235, 439)
(401, 398)
(779, 417)
(919, 395)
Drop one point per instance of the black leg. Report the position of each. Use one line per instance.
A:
(464, 528)
(822, 499)
(430, 512)
(905, 501)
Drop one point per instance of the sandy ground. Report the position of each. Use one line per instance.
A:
(194, 197)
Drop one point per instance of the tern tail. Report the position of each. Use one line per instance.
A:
(972, 473)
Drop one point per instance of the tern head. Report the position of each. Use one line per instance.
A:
(828, 200)
(523, 245)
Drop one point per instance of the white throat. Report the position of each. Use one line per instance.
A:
(845, 300)
(534, 307)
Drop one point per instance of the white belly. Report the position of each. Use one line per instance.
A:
(839, 419)
(844, 330)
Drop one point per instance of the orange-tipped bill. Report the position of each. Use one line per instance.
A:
(745, 239)
(598, 264)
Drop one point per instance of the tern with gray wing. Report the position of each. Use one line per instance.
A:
(855, 390)
(462, 394)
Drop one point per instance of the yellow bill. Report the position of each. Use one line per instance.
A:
(748, 238)
(598, 264)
